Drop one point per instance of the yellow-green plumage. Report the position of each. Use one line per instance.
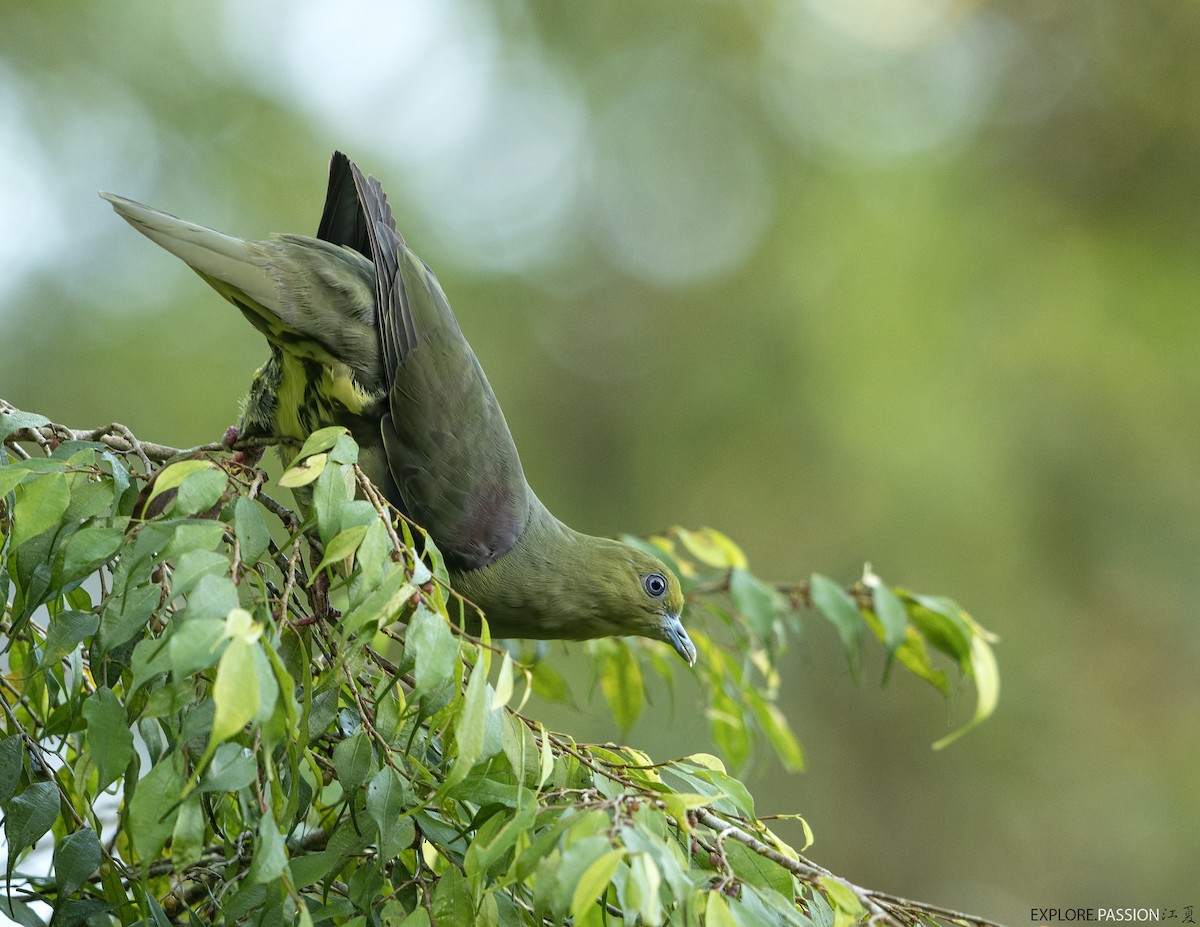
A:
(362, 336)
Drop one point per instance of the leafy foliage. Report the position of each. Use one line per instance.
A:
(321, 745)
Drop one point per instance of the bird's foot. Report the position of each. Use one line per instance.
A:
(247, 458)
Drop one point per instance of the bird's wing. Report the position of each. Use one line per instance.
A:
(342, 220)
(449, 449)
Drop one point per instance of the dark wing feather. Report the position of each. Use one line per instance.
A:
(449, 449)
(342, 219)
(393, 317)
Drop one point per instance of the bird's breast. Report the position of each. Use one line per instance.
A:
(313, 395)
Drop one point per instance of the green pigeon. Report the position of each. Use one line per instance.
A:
(362, 336)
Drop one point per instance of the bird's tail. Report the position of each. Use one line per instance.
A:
(214, 256)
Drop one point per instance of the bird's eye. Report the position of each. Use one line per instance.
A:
(655, 585)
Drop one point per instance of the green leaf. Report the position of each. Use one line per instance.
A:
(642, 889)
(270, 853)
(187, 836)
(268, 687)
(678, 804)
(344, 451)
(212, 598)
(66, 632)
(819, 910)
(892, 615)
(758, 870)
(310, 868)
(200, 492)
(126, 614)
(193, 566)
(914, 655)
(418, 918)
(705, 761)
(594, 882)
(15, 420)
(939, 621)
(381, 606)
(193, 645)
(172, 475)
(88, 548)
(12, 762)
(232, 769)
(89, 498)
(835, 603)
(731, 787)
(321, 440)
(358, 513)
(558, 875)
(621, 681)
(452, 899)
(504, 685)
(29, 816)
(353, 759)
(433, 649)
(333, 491)
(40, 503)
(10, 476)
(76, 859)
(759, 603)
(251, 529)
(155, 803)
(727, 723)
(496, 838)
(387, 795)
(549, 683)
(109, 737)
(373, 559)
(193, 534)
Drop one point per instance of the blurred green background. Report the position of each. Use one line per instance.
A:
(908, 281)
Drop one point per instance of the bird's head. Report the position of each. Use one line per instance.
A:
(650, 600)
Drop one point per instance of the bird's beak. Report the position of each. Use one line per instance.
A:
(678, 638)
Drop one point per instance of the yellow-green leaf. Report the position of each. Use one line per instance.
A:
(547, 756)
(621, 681)
(987, 689)
(470, 727)
(717, 913)
(235, 693)
(304, 472)
(40, 504)
(707, 760)
(779, 732)
(504, 684)
(712, 548)
(173, 475)
(594, 881)
(678, 804)
(342, 546)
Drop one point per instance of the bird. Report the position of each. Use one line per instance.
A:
(362, 335)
